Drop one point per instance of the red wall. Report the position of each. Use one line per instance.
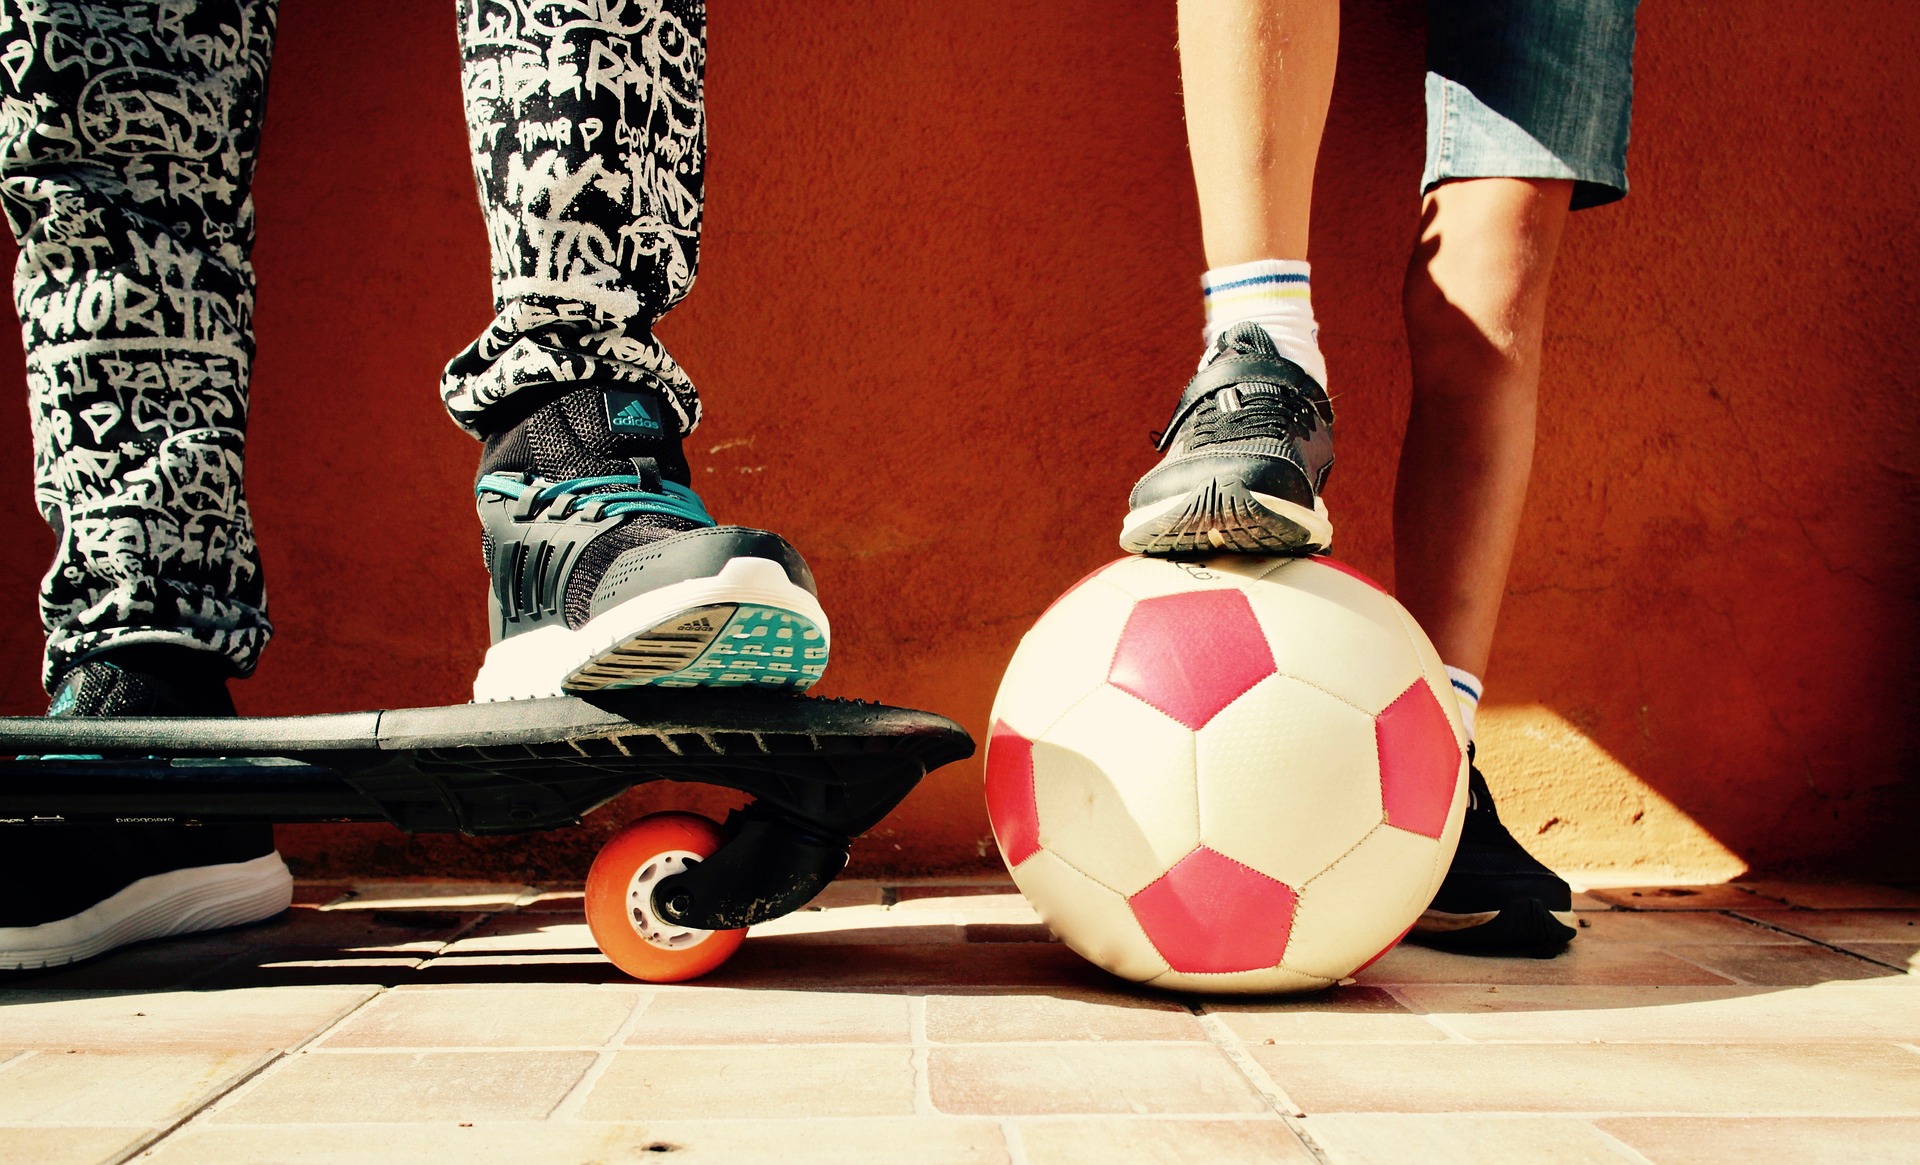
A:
(950, 284)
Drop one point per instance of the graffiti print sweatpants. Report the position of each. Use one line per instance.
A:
(128, 133)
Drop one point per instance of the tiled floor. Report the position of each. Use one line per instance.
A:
(936, 1022)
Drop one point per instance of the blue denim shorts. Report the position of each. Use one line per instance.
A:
(1530, 89)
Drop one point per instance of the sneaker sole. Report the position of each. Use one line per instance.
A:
(747, 626)
(1224, 515)
(167, 905)
(1525, 927)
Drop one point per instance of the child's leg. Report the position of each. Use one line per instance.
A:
(589, 144)
(1475, 299)
(1250, 442)
(125, 173)
(1256, 76)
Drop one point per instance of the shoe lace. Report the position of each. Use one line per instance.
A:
(1233, 415)
(609, 495)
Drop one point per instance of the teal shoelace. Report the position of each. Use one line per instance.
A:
(593, 493)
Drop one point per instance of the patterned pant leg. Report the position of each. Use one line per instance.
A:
(589, 145)
(127, 140)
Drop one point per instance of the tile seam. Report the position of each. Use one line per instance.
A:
(266, 1062)
(1262, 1082)
(567, 1108)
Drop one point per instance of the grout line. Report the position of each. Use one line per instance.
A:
(1820, 943)
(1016, 1143)
(1626, 1151)
(243, 1083)
(1453, 1034)
(569, 1106)
(921, 1057)
(1262, 1081)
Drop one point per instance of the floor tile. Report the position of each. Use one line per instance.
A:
(411, 895)
(148, 1088)
(1896, 955)
(1581, 963)
(1716, 897)
(719, 1016)
(523, 932)
(1841, 927)
(1673, 926)
(1353, 1139)
(261, 1019)
(511, 968)
(402, 1087)
(1827, 1013)
(1871, 1079)
(1058, 1016)
(753, 1082)
(553, 899)
(1103, 1141)
(777, 962)
(1802, 965)
(953, 888)
(1837, 895)
(515, 1017)
(848, 892)
(1088, 1078)
(863, 924)
(1801, 1140)
(896, 1141)
(67, 1146)
(1343, 1014)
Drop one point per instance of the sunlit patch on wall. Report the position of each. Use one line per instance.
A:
(1583, 812)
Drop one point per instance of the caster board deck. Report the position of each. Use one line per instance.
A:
(820, 771)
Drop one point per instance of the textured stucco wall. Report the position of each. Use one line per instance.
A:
(950, 285)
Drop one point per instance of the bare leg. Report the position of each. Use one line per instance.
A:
(1475, 299)
(1257, 76)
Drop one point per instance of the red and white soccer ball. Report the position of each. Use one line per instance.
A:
(1236, 775)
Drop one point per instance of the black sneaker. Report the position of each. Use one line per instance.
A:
(1496, 899)
(608, 572)
(73, 892)
(1247, 454)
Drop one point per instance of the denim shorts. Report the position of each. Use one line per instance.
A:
(1530, 89)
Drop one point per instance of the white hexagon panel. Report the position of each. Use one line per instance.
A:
(1288, 779)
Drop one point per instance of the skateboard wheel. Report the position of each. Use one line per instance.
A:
(620, 900)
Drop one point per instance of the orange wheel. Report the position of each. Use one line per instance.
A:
(620, 900)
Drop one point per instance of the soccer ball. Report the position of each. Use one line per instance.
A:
(1235, 775)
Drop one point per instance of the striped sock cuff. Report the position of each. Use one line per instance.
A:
(1467, 689)
(1246, 290)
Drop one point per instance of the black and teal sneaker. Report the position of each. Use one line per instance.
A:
(1497, 899)
(74, 892)
(608, 571)
(1247, 453)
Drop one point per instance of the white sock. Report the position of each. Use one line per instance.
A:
(1277, 295)
(1467, 688)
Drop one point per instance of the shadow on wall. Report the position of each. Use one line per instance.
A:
(950, 285)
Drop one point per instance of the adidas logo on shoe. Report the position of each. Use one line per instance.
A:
(631, 412)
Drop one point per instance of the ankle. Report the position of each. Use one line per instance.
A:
(588, 431)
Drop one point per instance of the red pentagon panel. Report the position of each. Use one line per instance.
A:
(1419, 761)
(1010, 802)
(1383, 951)
(1343, 568)
(1210, 915)
(1191, 654)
